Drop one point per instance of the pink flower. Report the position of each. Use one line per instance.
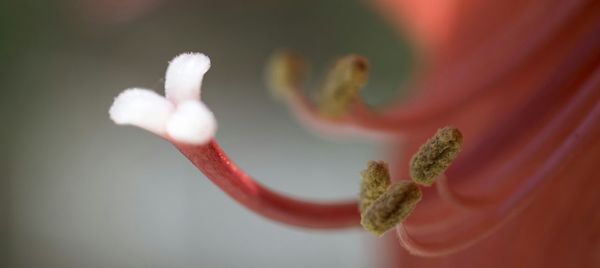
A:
(520, 79)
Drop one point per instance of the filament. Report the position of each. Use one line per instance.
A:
(213, 162)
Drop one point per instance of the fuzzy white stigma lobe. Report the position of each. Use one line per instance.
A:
(184, 75)
(142, 108)
(192, 123)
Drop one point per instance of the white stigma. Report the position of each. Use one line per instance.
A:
(184, 77)
(181, 116)
(142, 108)
(192, 123)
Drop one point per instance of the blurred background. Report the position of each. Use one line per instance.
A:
(79, 191)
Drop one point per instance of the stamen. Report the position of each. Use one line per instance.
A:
(285, 72)
(435, 156)
(375, 180)
(341, 87)
(391, 208)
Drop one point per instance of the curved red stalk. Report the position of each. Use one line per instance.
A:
(213, 162)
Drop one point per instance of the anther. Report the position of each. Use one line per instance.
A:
(285, 72)
(391, 208)
(435, 156)
(342, 85)
(375, 181)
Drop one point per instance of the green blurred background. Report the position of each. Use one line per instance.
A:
(78, 191)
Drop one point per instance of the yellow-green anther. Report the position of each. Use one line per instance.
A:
(285, 72)
(342, 84)
(375, 181)
(435, 156)
(391, 208)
